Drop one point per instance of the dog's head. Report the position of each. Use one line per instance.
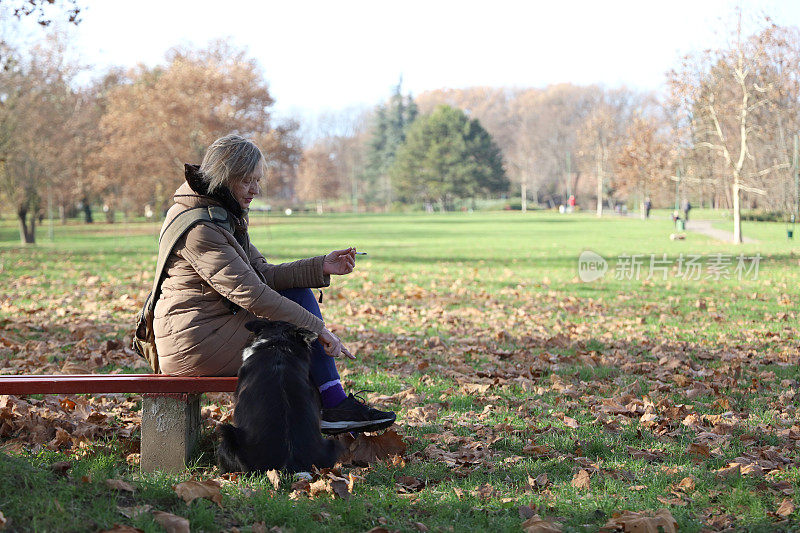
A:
(272, 329)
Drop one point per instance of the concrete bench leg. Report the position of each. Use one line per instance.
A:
(170, 426)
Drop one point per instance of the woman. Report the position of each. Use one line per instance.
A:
(216, 281)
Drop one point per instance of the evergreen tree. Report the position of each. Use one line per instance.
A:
(446, 156)
(388, 133)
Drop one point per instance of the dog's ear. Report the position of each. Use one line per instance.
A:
(256, 325)
(305, 335)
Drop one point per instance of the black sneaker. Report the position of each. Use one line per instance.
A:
(353, 414)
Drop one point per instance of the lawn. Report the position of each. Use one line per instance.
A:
(520, 389)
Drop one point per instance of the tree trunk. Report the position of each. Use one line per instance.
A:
(27, 233)
(599, 189)
(524, 195)
(737, 214)
(87, 212)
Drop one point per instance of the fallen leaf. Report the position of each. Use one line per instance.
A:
(752, 470)
(581, 480)
(785, 508)
(274, 478)
(320, 486)
(134, 511)
(782, 487)
(340, 488)
(366, 449)
(475, 388)
(409, 484)
(118, 484)
(698, 449)
(75, 368)
(61, 438)
(484, 491)
(673, 502)
(629, 521)
(571, 422)
(536, 524)
(61, 467)
(172, 523)
(535, 449)
(191, 490)
(121, 528)
(539, 482)
(732, 470)
(687, 484)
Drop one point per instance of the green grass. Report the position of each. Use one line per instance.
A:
(485, 298)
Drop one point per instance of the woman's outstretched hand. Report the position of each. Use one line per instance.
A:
(339, 262)
(332, 345)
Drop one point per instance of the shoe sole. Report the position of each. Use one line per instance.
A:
(364, 425)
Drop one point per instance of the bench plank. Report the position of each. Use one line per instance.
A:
(102, 383)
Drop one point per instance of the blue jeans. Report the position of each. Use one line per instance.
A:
(323, 366)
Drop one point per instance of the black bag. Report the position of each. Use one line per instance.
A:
(144, 339)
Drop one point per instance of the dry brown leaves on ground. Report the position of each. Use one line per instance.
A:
(325, 481)
(536, 524)
(171, 523)
(365, 449)
(192, 489)
(628, 521)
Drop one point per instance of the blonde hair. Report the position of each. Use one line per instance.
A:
(230, 159)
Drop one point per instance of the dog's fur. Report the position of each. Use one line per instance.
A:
(277, 420)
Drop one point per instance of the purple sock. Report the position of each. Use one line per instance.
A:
(332, 396)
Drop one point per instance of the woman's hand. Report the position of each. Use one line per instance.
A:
(333, 346)
(339, 262)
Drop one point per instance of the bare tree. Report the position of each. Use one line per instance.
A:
(601, 135)
(645, 158)
(159, 118)
(39, 117)
(731, 98)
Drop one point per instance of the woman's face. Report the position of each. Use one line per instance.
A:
(248, 188)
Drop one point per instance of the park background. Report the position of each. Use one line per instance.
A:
(523, 390)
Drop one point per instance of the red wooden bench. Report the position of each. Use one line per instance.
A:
(170, 407)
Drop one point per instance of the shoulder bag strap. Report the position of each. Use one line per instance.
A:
(179, 225)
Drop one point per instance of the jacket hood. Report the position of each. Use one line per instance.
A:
(194, 193)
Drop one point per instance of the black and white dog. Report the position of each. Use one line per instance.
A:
(277, 417)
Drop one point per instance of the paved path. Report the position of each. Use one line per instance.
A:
(705, 227)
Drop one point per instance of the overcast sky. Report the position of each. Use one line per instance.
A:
(326, 56)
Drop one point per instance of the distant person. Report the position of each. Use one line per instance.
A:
(686, 208)
(647, 206)
(676, 216)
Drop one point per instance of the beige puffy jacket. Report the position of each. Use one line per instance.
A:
(209, 275)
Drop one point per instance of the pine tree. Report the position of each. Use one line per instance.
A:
(388, 132)
(446, 156)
